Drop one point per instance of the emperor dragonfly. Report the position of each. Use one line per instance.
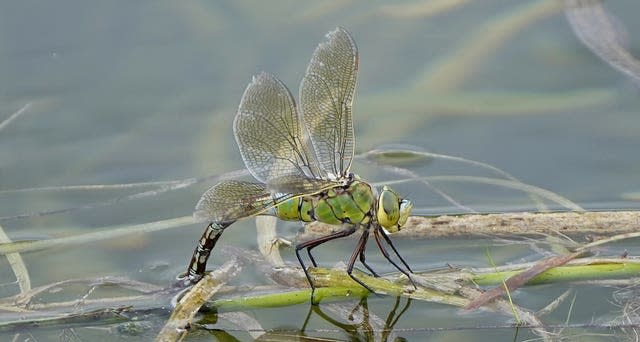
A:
(301, 160)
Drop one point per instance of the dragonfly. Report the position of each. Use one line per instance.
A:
(300, 157)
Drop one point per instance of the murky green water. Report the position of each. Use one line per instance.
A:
(129, 92)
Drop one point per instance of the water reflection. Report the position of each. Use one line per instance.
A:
(337, 321)
(359, 323)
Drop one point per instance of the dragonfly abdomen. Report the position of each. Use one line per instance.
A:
(346, 204)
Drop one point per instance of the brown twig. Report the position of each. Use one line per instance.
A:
(520, 279)
(595, 222)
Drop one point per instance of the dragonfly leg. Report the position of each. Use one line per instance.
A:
(207, 242)
(352, 260)
(377, 232)
(362, 257)
(313, 260)
(319, 241)
(316, 242)
(388, 240)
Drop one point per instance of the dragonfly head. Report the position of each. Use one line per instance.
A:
(393, 211)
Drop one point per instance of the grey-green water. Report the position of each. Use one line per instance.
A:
(126, 92)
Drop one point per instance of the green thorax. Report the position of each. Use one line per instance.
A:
(353, 203)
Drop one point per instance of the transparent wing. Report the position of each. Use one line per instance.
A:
(326, 97)
(231, 200)
(301, 186)
(269, 134)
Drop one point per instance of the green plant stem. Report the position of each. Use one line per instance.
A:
(567, 273)
(337, 285)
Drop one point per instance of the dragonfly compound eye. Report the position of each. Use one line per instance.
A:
(388, 209)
